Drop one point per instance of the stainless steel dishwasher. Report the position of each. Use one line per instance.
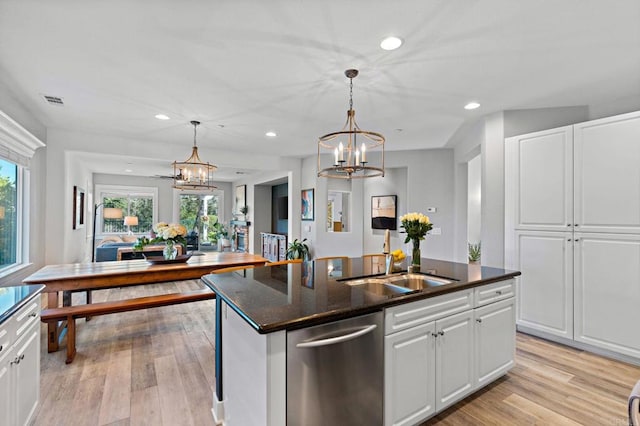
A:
(335, 373)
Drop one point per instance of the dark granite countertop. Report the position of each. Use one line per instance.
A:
(287, 297)
(15, 297)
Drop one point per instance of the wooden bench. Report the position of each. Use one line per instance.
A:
(71, 313)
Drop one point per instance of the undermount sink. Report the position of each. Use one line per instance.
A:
(395, 284)
(378, 286)
(416, 281)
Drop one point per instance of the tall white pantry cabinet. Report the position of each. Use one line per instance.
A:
(572, 227)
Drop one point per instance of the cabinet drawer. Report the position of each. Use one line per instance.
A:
(421, 312)
(493, 292)
(26, 316)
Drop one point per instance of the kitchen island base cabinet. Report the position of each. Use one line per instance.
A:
(439, 358)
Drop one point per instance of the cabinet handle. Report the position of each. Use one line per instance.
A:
(577, 239)
(434, 334)
(479, 320)
(575, 224)
(568, 224)
(568, 239)
(440, 333)
(33, 315)
(1, 347)
(498, 292)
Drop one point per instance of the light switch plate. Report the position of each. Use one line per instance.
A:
(431, 209)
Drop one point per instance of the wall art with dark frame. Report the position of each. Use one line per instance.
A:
(79, 213)
(307, 208)
(384, 212)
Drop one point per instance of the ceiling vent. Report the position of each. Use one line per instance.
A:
(53, 100)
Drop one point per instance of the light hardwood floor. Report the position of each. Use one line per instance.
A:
(156, 367)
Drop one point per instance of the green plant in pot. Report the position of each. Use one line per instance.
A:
(217, 232)
(298, 250)
(474, 252)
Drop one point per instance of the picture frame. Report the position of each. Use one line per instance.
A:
(79, 210)
(307, 274)
(384, 212)
(307, 201)
(241, 198)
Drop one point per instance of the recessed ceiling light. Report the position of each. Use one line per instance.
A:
(472, 105)
(391, 43)
(271, 134)
(162, 117)
(128, 170)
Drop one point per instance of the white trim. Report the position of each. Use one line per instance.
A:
(16, 138)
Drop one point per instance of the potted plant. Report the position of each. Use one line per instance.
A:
(298, 250)
(474, 253)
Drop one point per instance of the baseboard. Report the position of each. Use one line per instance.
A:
(579, 345)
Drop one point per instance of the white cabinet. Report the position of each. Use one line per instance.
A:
(20, 365)
(607, 291)
(607, 176)
(433, 348)
(539, 183)
(545, 288)
(584, 283)
(495, 341)
(410, 382)
(454, 358)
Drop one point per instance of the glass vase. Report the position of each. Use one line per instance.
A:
(170, 251)
(415, 256)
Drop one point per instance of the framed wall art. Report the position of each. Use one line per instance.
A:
(384, 212)
(79, 213)
(307, 204)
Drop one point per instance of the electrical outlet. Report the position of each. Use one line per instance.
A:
(436, 231)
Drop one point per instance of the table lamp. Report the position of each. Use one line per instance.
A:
(130, 221)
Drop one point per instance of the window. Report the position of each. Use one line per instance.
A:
(133, 201)
(10, 230)
(199, 212)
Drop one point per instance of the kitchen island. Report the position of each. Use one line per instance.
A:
(442, 340)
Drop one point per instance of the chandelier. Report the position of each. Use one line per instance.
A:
(193, 173)
(351, 152)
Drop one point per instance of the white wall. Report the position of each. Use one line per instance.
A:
(474, 198)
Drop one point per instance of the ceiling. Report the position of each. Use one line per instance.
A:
(246, 67)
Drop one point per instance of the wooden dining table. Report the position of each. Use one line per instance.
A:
(67, 278)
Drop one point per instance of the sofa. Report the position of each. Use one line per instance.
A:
(109, 251)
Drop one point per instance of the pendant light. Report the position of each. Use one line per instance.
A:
(193, 173)
(351, 152)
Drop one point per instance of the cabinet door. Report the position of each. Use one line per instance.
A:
(538, 180)
(454, 358)
(27, 371)
(607, 176)
(607, 291)
(409, 375)
(495, 337)
(545, 288)
(6, 402)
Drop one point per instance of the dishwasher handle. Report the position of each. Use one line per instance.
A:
(338, 339)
